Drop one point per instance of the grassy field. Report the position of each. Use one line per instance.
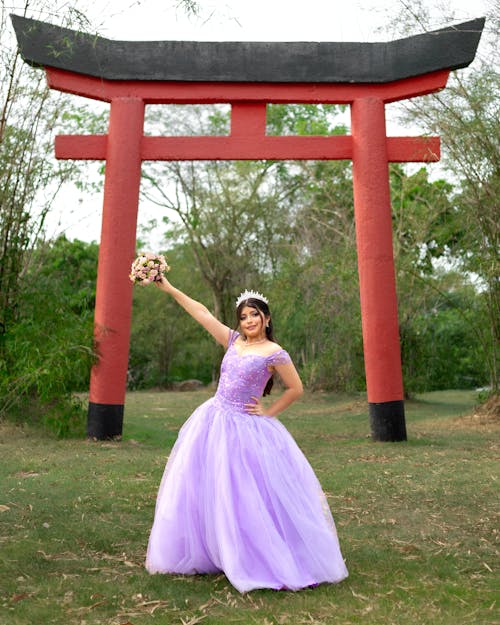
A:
(416, 521)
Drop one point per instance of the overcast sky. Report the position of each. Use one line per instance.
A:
(240, 20)
(267, 20)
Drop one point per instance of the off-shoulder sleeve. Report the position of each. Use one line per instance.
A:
(281, 357)
(233, 335)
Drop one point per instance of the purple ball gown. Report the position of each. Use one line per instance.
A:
(238, 495)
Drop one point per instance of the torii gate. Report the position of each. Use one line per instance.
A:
(130, 75)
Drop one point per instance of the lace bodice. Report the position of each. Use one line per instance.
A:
(243, 376)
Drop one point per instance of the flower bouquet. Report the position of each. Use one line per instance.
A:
(147, 268)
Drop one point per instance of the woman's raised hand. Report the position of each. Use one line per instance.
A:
(163, 284)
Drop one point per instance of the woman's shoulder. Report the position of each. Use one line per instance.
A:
(278, 356)
(276, 347)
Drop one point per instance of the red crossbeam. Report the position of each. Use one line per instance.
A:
(399, 149)
(152, 92)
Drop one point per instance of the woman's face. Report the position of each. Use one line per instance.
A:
(252, 323)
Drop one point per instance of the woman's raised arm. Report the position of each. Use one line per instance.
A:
(198, 311)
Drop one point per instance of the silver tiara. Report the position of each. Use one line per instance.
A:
(248, 295)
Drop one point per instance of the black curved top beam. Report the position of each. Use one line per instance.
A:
(43, 45)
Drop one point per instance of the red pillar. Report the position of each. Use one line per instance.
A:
(116, 252)
(372, 208)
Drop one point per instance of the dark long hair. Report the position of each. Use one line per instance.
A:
(263, 309)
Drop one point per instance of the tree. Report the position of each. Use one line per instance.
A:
(29, 175)
(466, 116)
(316, 291)
(245, 221)
(45, 308)
(439, 342)
(233, 214)
(166, 346)
(48, 351)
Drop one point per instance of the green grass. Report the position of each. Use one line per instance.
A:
(416, 521)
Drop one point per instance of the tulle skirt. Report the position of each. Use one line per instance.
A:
(238, 496)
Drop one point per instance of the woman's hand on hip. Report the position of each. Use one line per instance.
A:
(255, 408)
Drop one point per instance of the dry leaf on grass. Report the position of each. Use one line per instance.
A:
(193, 620)
(20, 597)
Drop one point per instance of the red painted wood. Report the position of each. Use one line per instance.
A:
(213, 92)
(116, 251)
(246, 148)
(87, 147)
(372, 209)
(399, 149)
(248, 119)
(413, 149)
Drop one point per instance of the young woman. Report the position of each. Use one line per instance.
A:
(238, 495)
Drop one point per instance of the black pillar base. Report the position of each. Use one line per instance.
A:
(387, 421)
(104, 421)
